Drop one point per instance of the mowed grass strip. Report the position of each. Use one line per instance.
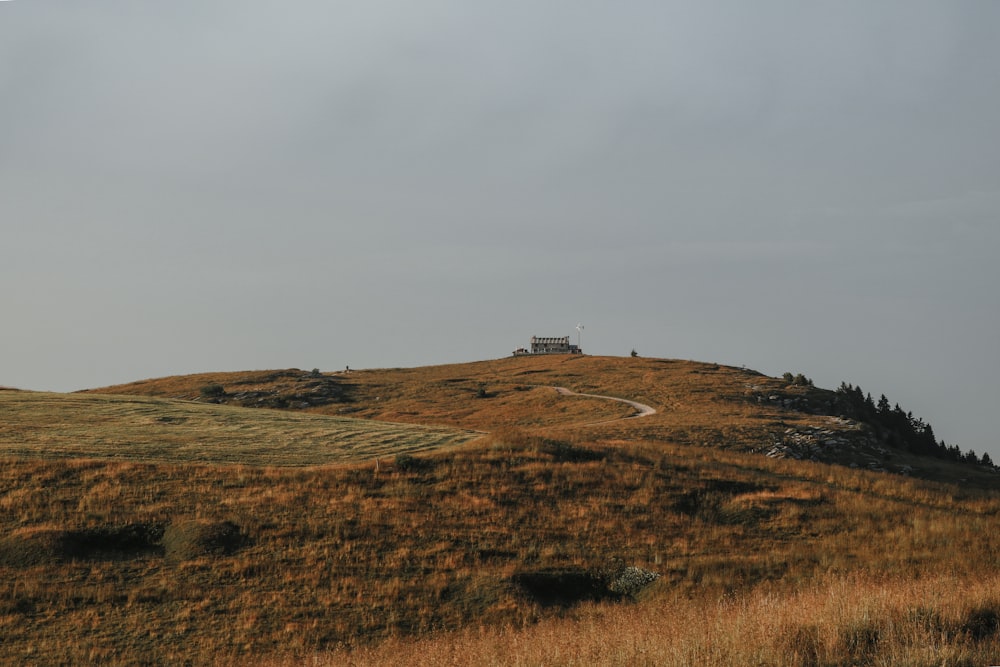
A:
(137, 428)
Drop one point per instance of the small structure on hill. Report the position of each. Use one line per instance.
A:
(549, 345)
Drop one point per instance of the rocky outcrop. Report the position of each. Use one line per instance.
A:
(293, 389)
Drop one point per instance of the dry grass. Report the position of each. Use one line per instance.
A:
(707, 405)
(426, 557)
(346, 556)
(152, 429)
(843, 621)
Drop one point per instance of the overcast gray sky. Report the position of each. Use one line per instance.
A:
(200, 185)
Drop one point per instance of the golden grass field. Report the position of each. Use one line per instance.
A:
(495, 550)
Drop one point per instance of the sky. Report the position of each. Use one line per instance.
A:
(212, 185)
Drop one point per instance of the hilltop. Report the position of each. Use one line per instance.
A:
(696, 403)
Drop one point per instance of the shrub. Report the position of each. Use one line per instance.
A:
(982, 623)
(212, 391)
(410, 463)
(33, 547)
(562, 587)
(797, 379)
(629, 580)
(565, 587)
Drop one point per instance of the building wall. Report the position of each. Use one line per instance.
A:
(549, 345)
(540, 345)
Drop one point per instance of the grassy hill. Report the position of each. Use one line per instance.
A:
(136, 428)
(697, 404)
(568, 535)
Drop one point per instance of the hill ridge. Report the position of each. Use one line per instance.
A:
(697, 403)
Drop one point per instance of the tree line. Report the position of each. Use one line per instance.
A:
(899, 428)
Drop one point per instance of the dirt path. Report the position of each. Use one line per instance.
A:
(642, 410)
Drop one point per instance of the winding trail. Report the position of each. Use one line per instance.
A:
(642, 410)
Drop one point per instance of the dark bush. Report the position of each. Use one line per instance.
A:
(113, 542)
(566, 452)
(410, 463)
(565, 587)
(97, 543)
(982, 623)
(212, 391)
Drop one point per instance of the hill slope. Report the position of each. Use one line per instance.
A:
(696, 404)
(125, 562)
(160, 430)
(569, 534)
